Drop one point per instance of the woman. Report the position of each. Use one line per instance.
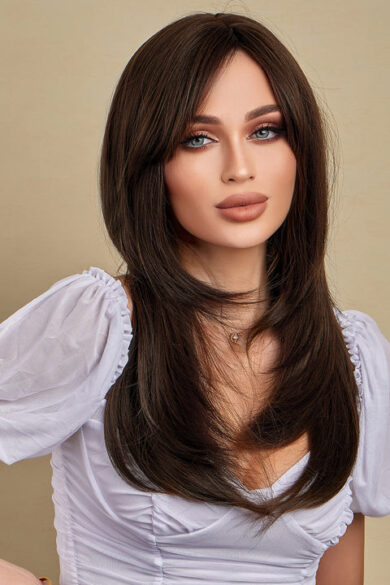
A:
(211, 413)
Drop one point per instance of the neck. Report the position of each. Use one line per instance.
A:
(232, 269)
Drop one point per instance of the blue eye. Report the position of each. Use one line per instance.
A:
(193, 137)
(276, 130)
(267, 129)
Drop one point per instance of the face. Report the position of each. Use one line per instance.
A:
(234, 155)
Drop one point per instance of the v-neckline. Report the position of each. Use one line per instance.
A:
(281, 479)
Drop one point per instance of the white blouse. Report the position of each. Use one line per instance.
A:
(60, 354)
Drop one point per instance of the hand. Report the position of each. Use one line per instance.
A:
(13, 575)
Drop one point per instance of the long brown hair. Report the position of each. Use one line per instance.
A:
(162, 430)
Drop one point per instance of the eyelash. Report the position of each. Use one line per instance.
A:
(278, 130)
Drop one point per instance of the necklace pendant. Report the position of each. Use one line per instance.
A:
(234, 337)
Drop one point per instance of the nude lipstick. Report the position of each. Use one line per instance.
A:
(243, 206)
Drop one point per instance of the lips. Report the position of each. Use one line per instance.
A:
(241, 199)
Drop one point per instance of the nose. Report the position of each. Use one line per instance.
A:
(238, 164)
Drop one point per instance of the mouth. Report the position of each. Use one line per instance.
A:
(243, 213)
(242, 200)
(239, 205)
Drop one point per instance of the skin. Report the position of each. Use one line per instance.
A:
(14, 575)
(236, 157)
(343, 564)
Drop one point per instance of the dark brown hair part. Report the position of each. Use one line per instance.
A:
(162, 430)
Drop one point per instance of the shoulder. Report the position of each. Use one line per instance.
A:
(355, 320)
(78, 321)
(96, 285)
(369, 349)
(368, 346)
(122, 280)
(59, 356)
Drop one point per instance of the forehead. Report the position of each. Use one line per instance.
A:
(240, 86)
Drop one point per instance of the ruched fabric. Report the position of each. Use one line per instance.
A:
(371, 478)
(60, 354)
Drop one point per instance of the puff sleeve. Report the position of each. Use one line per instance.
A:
(370, 351)
(59, 355)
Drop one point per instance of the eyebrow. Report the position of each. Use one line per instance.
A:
(249, 116)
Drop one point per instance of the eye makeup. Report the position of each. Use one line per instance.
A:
(275, 129)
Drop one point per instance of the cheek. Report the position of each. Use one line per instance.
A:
(184, 183)
(175, 178)
(282, 173)
(184, 186)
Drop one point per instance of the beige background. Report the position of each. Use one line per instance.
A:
(60, 63)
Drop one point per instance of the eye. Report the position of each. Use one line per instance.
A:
(187, 141)
(276, 130)
(265, 128)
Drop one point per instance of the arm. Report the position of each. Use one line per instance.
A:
(343, 563)
(14, 575)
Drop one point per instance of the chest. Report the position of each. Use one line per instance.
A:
(241, 389)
